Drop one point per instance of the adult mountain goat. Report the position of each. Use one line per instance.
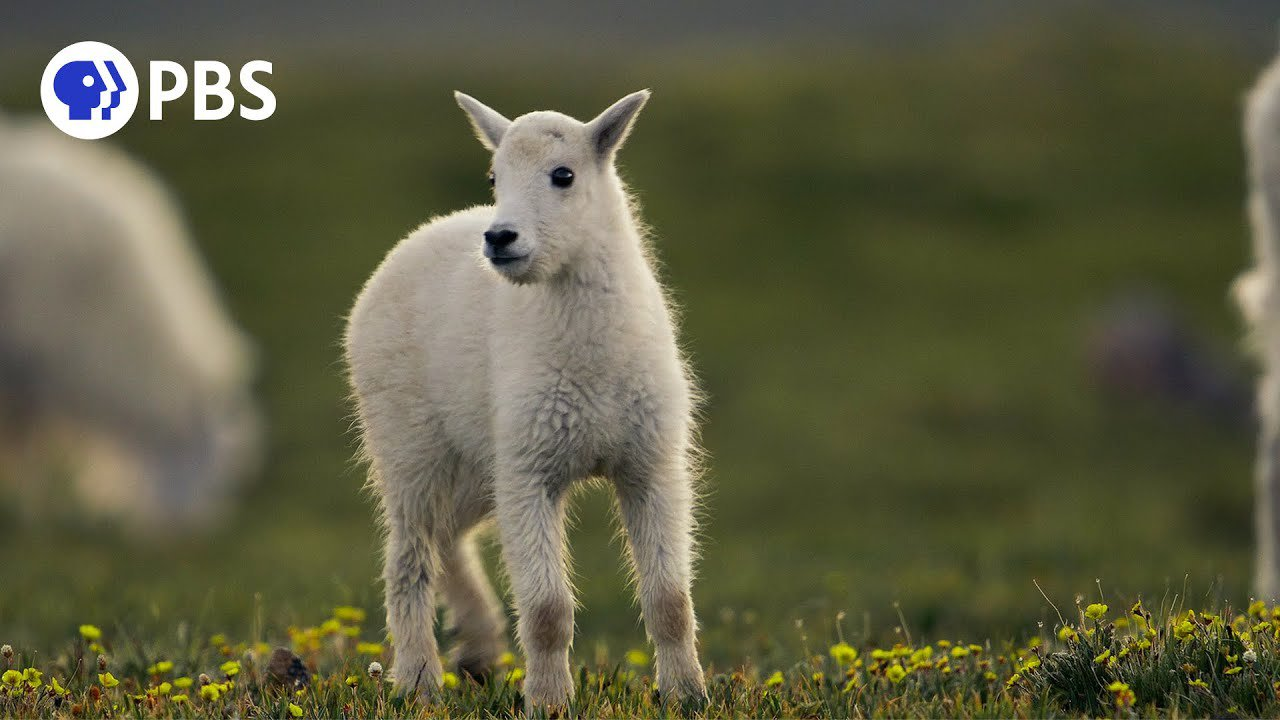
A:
(1258, 294)
(499, 355)
(115, 350)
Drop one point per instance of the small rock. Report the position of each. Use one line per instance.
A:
(287, 669)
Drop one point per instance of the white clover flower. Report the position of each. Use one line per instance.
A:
(375, 670)
(1249, 656)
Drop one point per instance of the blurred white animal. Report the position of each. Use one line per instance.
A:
(114, 350)
(498, 356)
(1258, 296)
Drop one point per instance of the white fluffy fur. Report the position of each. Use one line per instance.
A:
(112, 336)
(1258, 295)
(489, 390)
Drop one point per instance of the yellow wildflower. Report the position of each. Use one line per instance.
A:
(1184, 630)
(959, 651)
(295, 711)
(329, 627)
(450, 680)
(211, 692)
(1198, 683)
(160, 668)
(774, 680)
(990, 676)
(32, 677)
(1106, 655)
(1232, 670)
(90, 632)
(12, 678)
(1095, 611)
(231, 668)
(182, 683)
(164, 688)
(1258, 608)
(179, 699)
(895, 673)
(218, 639)
(57, 688)
(818, 677)
(637, 658)
(368, 648)
(515, 675)
(1124, 696)
(353, 680)
(1067, 633)
(349, 614)
(843, 653)
(506, 658)
(351, 631)
(108, 680)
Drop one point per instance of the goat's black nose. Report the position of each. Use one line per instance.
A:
(500, 238)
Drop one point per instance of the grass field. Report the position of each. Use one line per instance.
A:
(887, 261)
(1093, 661)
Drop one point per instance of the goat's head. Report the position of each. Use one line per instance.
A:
(553, 181)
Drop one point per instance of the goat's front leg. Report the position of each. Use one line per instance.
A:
(530, 514)
(410, 570)
(657, 510)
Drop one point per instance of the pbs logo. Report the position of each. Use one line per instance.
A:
(89, 90)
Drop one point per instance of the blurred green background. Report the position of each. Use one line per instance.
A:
(887, 259)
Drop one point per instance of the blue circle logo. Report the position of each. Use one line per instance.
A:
(89, 90)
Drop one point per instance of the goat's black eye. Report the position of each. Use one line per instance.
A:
(491, 179)
(562, 177)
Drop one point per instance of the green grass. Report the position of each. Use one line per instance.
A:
(1099, 662)
(886, 263)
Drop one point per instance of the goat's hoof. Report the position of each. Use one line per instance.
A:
(688, 699)
(481, 671)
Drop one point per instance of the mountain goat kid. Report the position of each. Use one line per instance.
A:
(499, 355)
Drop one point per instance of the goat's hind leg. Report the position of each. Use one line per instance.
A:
(476, 619)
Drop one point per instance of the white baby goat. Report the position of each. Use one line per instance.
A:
(499, 355)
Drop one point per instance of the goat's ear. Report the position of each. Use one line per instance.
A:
(610, 128)
(489, 124)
